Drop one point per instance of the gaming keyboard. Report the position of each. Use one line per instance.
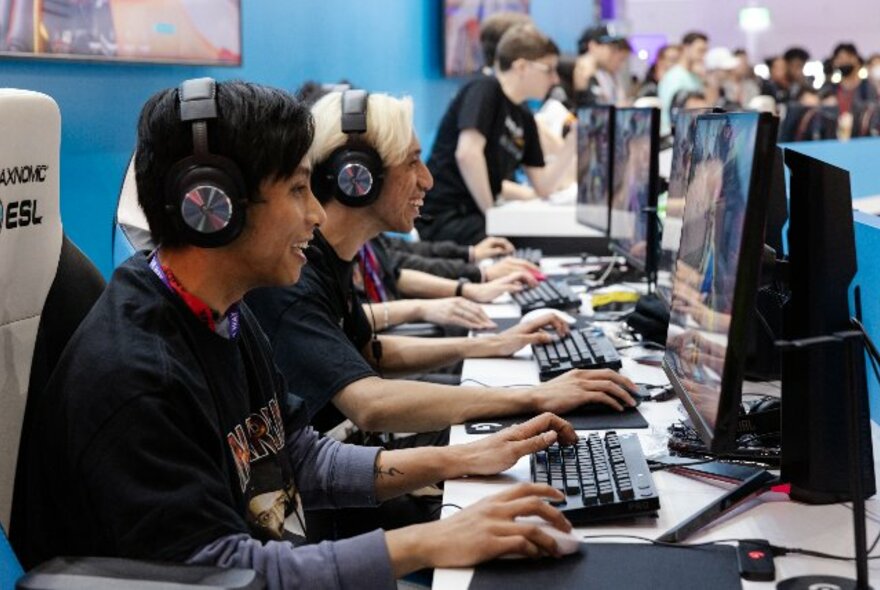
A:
(583, 348)
(601, 479)
(533, 255)
(553, 294)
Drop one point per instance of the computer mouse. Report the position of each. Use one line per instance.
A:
(566, 543)
(568, 319)
(539, 276)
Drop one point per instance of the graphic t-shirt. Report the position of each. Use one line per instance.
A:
(511, 140)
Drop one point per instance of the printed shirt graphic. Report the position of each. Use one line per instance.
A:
(274, 506)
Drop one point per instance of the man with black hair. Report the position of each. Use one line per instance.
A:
(850, 89)
(795, 60)
(486, 134)
(687, 75)
(168, 429)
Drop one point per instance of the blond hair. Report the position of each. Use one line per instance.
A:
(389, 127)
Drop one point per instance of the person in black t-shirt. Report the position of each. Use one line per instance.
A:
(167, 433)
(486, 134)
(322, 338)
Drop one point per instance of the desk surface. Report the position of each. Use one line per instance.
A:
(771, 516)
(536, 218)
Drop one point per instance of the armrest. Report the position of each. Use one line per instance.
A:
(106, 573)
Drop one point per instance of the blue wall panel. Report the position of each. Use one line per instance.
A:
(867, 230)
(383, 45)
(859, 156)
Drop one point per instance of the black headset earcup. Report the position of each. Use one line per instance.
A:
(205, 197)
(356, 175)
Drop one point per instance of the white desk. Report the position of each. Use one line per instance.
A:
(771, 516)
(536, 218)
(868, 204)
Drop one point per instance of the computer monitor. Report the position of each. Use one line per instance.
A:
(682, 149)
(717, 269)
(595, 140)
(822, 265)
(633, 231)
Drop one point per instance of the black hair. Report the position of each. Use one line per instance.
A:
(265, 131)
(846, 48)
(796, 53)
(693, 37)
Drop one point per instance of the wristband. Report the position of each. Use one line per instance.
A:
(460, 287)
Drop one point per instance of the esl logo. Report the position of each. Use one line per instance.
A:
(19, 214)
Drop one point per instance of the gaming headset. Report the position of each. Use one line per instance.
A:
(205, 193)
(353, 173)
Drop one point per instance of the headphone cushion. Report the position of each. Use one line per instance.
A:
(353, 175)
(205, 197)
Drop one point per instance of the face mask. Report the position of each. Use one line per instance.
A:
(846, 69)
(875, 73)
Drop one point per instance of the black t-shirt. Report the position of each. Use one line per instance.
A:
(511, 139)
(157, 435)
(317, 330)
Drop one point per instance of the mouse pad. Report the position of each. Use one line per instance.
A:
(592, 417)
(611, 566)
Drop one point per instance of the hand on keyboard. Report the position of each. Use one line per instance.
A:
(491, 247)
(456, 311)
(528, 333)
(500, 451)
(506, 266)
(511, 283)
(578, 387)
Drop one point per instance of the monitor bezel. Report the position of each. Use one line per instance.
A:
(649, 265)
(606, 231)
(723, 436)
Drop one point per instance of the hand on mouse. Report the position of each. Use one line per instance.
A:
(506, 266)
(578, 387)
(482, 531)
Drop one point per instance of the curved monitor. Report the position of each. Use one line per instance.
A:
(595, 138)
(633, 231)
(717, 268)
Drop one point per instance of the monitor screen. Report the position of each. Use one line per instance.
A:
(595, 128)
(634, 184)
(463, 54)
(171, 31)
(716, 270)
(682, 149)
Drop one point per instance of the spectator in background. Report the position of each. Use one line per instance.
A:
(849, 89)
(491, 31)
(595, 50)
(745, 84)
(687, 75)
(795, 60)
(621, 50)
(667, 56)
(874, 71)
(777, 85)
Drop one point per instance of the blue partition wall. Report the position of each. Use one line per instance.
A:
(867, 230)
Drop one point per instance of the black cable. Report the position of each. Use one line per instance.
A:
(660, 466)
(440, 508)
(463, 381)
(646, 344)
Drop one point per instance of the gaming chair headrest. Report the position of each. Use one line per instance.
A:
(30, 247)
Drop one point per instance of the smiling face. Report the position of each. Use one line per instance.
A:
(403, 191)
(278, 229)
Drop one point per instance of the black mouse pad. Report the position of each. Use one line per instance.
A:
(612, 566)
(592, 417)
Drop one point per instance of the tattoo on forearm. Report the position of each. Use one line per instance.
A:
(390, 472)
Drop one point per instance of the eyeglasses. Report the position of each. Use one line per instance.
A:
(546, 68)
